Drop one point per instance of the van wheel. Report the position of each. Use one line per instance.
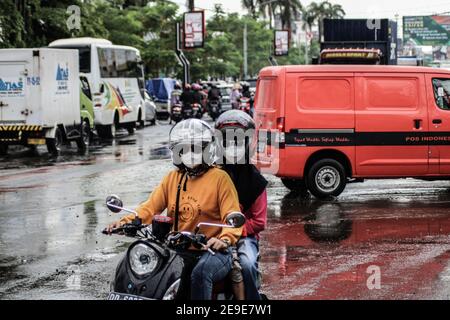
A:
(54, 144)
(296, 185)
(3, 149)
(140, 122)
(326, 178)
(130, 129)
(107, 131)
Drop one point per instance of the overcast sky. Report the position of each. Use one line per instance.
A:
(353, 8)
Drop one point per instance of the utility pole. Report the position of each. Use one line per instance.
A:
(191, 5)
(182, 58)
(245, 52)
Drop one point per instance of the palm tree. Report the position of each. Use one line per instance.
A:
(290, 11)
(252, 7)
(267, 8)
(325, 10)
(308, 19)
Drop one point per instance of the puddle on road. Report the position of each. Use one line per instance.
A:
(160, 151)
(323, 249)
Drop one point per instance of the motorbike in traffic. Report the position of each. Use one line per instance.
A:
(245, 105)
(214, 109)
(176, 113)
(197, 111)
(152, 267)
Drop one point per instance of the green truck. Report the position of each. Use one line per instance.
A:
(86, 109)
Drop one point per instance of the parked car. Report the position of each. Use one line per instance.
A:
(150, 109)
(252, 84)
(225, 90)
(329, 125)
(40, 99)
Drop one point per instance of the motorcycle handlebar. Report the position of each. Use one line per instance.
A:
(113, 231)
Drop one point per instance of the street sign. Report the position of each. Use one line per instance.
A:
(427, 30)
(281, 42)
(193, 29)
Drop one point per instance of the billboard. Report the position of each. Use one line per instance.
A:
(193, 29)
(427, 30)
(281, 42)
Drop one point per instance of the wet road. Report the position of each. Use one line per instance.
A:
(52, 212)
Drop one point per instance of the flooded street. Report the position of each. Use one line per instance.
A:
(52, 213)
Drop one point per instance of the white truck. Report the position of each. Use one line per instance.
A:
(40, 98)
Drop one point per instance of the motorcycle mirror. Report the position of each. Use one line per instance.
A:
(235, 219)
(114, 203)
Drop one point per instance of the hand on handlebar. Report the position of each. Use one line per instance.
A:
(110, 228)
(216, 244)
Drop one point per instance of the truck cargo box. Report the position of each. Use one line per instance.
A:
(39, 93)
(362, 34)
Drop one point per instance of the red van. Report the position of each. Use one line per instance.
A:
(323, 126)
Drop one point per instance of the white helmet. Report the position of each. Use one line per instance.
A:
(192, 143)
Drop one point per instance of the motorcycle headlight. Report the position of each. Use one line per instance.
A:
(171, 293)
(143, 259)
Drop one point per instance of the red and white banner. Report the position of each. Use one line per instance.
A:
(193, 29)
(281, 42)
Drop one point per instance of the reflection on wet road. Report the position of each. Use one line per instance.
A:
(52, 211)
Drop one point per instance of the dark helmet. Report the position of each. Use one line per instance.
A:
(235, 119)
(194, 137)
(237, 129)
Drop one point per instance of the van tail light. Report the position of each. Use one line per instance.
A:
(280, 124)
(281, 137)
(98, 105)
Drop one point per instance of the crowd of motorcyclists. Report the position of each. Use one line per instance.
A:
(194, 100)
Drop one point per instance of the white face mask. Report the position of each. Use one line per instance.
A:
(235, 154)
(192, 159)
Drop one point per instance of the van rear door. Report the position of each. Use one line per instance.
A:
(12, 92)
(268, 116)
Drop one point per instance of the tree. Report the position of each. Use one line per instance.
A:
(267, 8)
(252, 7)
(289, 11)
(325, 10)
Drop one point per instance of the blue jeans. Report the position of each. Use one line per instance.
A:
(209, 269)
(248, 249)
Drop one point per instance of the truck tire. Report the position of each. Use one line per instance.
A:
(85, 139)
(130, 128)
(54, 144)
(140, 122)
(107, 131)
(295, 185)
(3, 149)
(326, 178)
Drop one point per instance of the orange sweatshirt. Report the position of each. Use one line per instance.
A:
(207, 198)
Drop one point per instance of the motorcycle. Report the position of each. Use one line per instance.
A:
(214, 109)
(197, 111)
(153, 265)
(245, 105)
(187, 111)
(176, 113)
